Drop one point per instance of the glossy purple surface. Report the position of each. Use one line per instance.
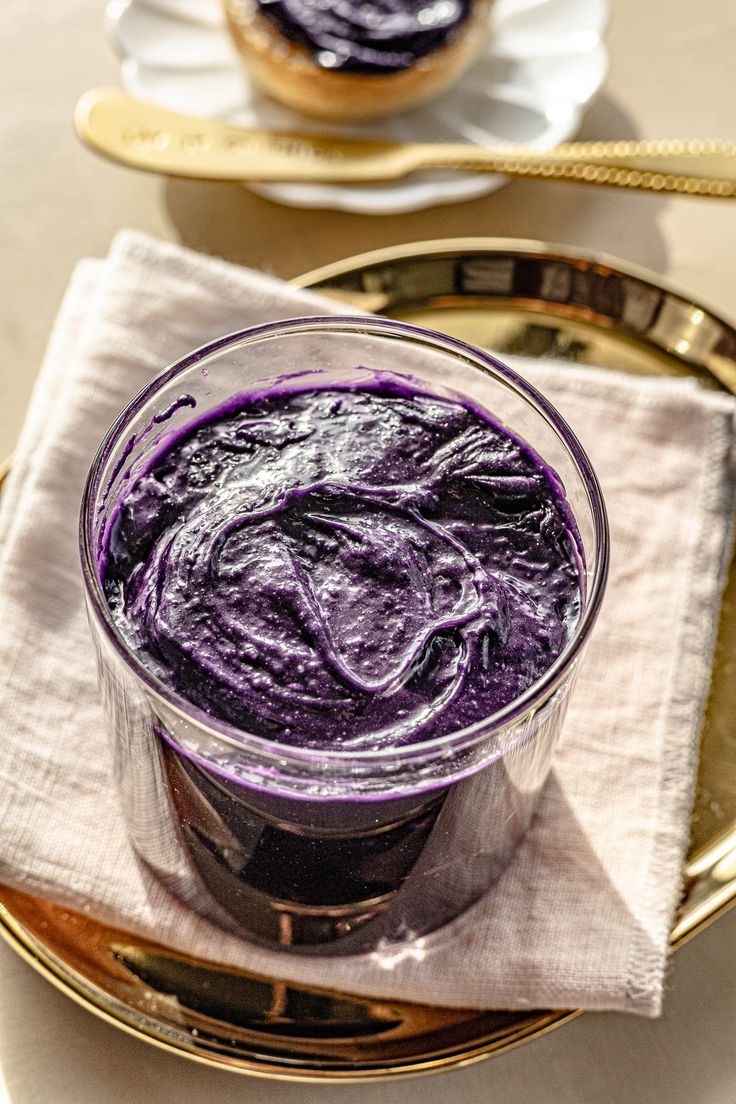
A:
(345, 567)
(367, 35)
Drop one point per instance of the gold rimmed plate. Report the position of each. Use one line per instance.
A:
(517, 298)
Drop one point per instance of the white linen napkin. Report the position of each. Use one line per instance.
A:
(581, 917)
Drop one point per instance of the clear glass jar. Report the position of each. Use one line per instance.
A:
(321, 850)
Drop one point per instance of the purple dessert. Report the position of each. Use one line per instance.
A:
(353, 568)
(345, 568)
(347, 60)
(380, 36)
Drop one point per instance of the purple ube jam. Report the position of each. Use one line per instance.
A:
(346, 569)
(376, 36)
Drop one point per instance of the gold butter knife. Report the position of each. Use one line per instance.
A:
(147, 137)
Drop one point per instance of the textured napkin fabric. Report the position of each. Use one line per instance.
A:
(581, 916)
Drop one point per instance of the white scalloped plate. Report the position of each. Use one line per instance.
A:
(545, 60)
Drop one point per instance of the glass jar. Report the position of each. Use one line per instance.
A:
(320, 850)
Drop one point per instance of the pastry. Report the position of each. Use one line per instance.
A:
(352, 60)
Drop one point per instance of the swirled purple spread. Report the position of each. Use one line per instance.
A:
(367, 35)
(345, 567)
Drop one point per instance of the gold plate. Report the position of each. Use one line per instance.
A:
(514, 297)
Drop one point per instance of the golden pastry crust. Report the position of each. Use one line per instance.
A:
(288, 73)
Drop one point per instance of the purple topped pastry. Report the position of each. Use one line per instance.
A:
(346, 568)
(347, 60)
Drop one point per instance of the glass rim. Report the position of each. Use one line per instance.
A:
(435, 747)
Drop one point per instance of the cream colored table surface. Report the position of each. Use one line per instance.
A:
(673, 74)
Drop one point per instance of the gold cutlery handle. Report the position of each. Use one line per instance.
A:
(705, 167)
(152, 138)
(148, 137)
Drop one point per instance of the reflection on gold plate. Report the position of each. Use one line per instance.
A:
(513, 297)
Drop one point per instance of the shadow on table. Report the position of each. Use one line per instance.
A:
(229, 221)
